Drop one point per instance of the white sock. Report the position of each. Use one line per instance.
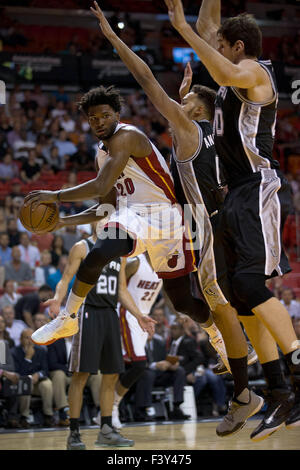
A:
(73, 303)
(117, 400)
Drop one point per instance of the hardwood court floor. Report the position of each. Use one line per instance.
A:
(180, 436)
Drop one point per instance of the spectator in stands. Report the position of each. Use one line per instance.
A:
(22, 145)
(82, 160)
(61, 95)
(15, 134)
(292, 306)
(58, 371)
(13, 232)
(162, 373)
(30, 304)
(43, 271)
(39, 320)
(4, 334)
(53, 279)
(43, 242)
(70, 236)
(7, 372)
(10, 295)
(71, 181)
(67, 123)
(3, 221)
(57, 249)
(56, 162)
(65, 146)
(7, 206)
(8, 168)
(39, 97)
(31, 170)
(17, 270)
(16, 188)
(5, 250)
(28, 103)
(29, 253)
(13, 326)
(296, 324)
(161, 327)
(32, 360)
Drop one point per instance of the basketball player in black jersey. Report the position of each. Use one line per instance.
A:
(97, 345)
(194, 156)
(259, 196)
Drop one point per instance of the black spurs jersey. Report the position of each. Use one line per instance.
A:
(105, 293)
(244, 131)
(198, 180)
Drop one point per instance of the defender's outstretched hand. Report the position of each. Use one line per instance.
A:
(176, 14)
(37, 197)
(186, 82)
(147, 324)
(104, 24)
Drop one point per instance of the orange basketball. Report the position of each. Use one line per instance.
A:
(40, 220)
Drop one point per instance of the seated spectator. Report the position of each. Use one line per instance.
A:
(4, 334)
(53, 279)
(72, 180)
(29, 253)
(7, 206)
(10, 295)
(7, 371)
(32, 360)
(5, 250)
(57, 249)
(8, 168)
(16, 188)
(159, 373)
(82, 160)
(31, 169)
(43, 271)
(22, 146)
(39, 320)
(30, 304)
(65, 146)
(162, 330)
(58, 371)
(292, 306)
(55, 161)
(13, 327)
(70, 236)
(17, 270)
(67, 123)
(43, 242)
(3, 221)
(13, 232)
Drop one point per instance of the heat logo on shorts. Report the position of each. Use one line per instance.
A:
(173, 260)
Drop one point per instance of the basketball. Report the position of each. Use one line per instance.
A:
(40, 220)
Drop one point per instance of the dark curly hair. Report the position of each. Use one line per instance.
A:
(243, 28)
(101, 95)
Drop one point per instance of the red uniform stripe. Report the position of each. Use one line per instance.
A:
(152, 167)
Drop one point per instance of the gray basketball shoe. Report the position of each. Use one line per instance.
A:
(109, 437)
(237, 415)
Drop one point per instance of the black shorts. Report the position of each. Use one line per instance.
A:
(97, 345)
(252, 222)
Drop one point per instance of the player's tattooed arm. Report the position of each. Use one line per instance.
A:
(209, 21)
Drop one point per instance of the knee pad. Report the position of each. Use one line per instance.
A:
(250, 289)
(133, 374)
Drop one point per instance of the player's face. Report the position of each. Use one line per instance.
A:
(225, 49)
(192, 106)
(103, 120)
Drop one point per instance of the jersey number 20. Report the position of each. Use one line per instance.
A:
(107, 285)
(219, 123)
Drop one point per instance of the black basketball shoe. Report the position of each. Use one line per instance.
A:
(280, 401)
(74, 441)
(294, 416)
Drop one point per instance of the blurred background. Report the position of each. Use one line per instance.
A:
(50, 55)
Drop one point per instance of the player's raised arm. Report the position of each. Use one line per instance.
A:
(186, 81)
(247, 74)
(169, 108)
(209, 21)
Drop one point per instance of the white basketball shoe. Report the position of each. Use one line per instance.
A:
(62, 326)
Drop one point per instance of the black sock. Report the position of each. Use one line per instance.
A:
(273, 374)
(239, 371)
(74, 424)
(106, 420)
(293, 363)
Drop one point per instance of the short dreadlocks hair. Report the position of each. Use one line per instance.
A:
(243, 28)
(208, 96)
(101, 95)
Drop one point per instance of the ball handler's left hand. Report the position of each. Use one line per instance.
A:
(147, 324)
(37, 197)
